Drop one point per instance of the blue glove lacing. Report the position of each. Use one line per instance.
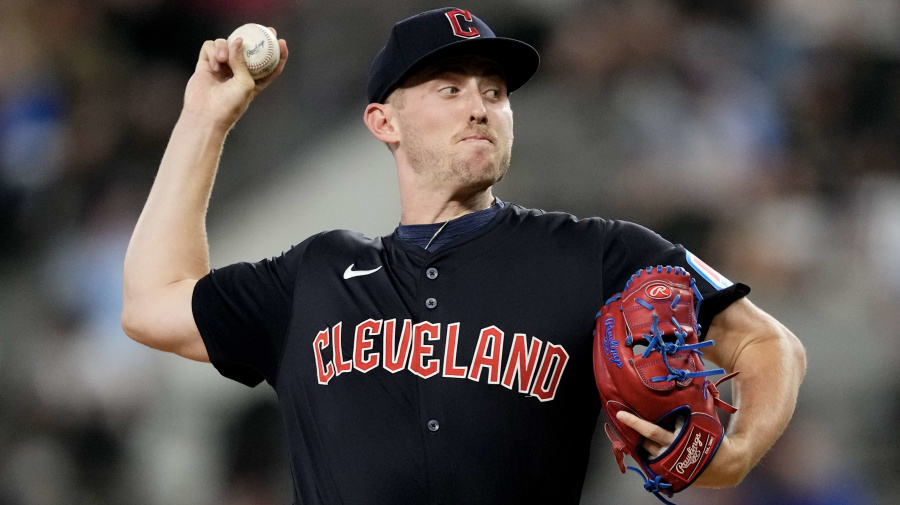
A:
(655, 486)
(655, 342)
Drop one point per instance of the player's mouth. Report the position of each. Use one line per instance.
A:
(477, 138)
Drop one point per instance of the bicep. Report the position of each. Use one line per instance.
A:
(164, 320)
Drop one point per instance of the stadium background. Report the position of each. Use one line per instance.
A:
(762, 134)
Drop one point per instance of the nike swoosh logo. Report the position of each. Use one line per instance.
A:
(350, 273)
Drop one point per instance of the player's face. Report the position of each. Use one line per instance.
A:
(456, 123)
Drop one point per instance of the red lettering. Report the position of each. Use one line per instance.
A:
(454, 17)
(361, 344)
(450, 368)
(421, 350)
(521, 362)
(325, 372)
(395, 358)
(493, 336)
(340, 365)
(556, 357)
(414, 350)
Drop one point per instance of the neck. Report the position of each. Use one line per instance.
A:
(426, 201)
(434, 207)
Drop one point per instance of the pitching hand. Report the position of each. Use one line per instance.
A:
(724, 470)
(221, 88)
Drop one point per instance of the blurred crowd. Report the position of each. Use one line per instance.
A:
(762, 134)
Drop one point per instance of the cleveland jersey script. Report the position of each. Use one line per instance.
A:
(457, 376)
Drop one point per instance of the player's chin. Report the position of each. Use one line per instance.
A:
(485, 176)
(480, 169)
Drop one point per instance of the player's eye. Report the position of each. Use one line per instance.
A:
(493, 93)
(449, 90)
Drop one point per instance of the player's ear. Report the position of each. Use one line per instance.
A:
(381, 121)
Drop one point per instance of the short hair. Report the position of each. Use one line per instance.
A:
(397, 98)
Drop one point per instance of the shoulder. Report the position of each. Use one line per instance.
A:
(555, 221)
(337, 241)
(325, 244)
(335, 246)
(632, 236)
(611, 232)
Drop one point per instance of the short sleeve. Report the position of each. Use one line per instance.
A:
(629, 247)
(243, 312)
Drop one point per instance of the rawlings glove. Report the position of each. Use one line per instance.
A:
(647, 361)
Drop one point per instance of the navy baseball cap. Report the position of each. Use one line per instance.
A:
(421, 39)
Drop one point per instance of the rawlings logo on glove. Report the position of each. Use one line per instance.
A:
(647, 361)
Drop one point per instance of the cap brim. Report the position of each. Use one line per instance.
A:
(518, 60)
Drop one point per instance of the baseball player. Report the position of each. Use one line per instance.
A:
(450, 361)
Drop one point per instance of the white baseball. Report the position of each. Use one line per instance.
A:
(261, 50)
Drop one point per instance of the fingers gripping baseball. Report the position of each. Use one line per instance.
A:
(222, 87)
(212, 55)
(216, 55)
(238, 64)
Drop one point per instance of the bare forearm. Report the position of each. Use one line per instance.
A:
(772, 363)
(765, 392)
(169, 241)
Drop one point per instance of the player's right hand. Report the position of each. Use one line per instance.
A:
(221, 88)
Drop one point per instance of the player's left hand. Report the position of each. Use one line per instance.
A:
(726, 468)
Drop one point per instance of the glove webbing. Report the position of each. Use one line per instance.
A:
(655, 342)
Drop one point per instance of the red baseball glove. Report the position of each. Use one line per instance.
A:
(647, 362)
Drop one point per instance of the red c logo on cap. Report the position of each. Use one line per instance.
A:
(453, 16)
(658, 291)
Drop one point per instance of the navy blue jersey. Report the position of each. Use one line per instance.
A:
(459, 376)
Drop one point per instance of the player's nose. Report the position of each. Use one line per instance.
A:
(477, 108)
(479, 117)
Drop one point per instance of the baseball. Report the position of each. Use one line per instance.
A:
(261, 50)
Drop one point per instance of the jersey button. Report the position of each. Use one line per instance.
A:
(431, 303)
(433, 425)
(431, 273)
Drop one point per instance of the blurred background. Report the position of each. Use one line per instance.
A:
(762, 134)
